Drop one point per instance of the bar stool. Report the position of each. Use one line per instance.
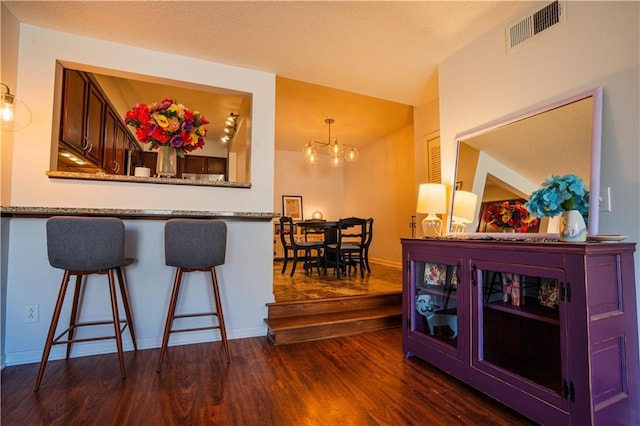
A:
(84, 246)
(193, 245)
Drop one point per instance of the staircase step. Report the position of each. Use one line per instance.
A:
(291, 322)
(324, 326)
(335, 304)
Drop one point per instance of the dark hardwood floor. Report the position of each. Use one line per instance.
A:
(355, 380)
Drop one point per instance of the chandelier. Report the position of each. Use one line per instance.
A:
(336, 150)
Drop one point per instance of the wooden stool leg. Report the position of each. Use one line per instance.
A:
(127, 306)
(223, 330)
(52, 329)
(170, 314)
(116, 321)
(75, 312)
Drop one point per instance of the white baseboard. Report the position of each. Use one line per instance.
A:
(107, 347)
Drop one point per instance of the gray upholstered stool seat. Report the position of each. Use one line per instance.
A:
(83, 246)
(194, 245)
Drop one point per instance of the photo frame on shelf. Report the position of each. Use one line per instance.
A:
(292, 206)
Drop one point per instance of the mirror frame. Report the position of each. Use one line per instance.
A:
(594, 177)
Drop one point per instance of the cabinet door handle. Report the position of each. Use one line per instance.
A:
(474, 277)
(90, 146)
(84, 142)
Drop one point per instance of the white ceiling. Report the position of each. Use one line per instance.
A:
(380, 49)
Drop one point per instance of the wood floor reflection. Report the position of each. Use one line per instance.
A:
(382, 279)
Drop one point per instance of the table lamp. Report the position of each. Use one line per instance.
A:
(464, 209)
(432, 200)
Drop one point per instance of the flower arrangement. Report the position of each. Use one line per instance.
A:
(169, 124)
(558, 194)
(509, 215)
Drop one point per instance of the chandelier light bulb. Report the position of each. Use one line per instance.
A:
(6, 113)
(335, 161)
(308, 148)
(352, 154)
(312, 156)
(335, 148)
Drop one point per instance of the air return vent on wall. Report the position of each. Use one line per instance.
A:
(534, 23)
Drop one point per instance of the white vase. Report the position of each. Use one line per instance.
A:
(572, 226)
(167, 162)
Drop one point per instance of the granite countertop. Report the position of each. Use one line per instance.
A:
(40, 212)
(138, 179)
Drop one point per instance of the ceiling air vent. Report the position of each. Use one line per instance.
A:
(535, 23)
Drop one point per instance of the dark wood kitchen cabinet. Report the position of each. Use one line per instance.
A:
(115, 141)
(91, 126)
(82, 116)
(547, 328)
(205, 165)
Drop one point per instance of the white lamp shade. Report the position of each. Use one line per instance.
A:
(464, 205)
(432, 198)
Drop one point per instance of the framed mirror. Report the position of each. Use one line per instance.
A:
(94, 140)
(509, 159)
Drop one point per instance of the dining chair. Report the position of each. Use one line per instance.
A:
(289, 242)
(364, 252)
(347, 250)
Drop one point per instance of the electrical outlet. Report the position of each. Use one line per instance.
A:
(605, 199)
(31, 313)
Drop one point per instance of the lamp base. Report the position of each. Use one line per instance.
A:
(432, 226)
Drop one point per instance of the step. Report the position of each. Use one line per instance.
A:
(324, 326)
(301, 321)
(331, 305)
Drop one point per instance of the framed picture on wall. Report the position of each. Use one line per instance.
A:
(292, 206)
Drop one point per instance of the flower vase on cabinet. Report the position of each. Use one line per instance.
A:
(572, 226)
(167, 163)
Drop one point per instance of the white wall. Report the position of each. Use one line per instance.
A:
(320, 185)
(30, 280)
(598, 46)
(381, 185)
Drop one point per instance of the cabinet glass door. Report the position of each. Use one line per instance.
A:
(435, 301)
(519, 325)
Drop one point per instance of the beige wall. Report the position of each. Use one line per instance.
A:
(8, 73)
(380, 185)
(320, 185)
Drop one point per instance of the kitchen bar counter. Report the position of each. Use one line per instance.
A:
(138, 179)
(40, 212)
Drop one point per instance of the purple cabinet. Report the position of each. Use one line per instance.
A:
(547, 328)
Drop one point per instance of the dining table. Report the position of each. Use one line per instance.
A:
(329, 230)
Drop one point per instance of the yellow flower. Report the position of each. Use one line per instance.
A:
(178, 109)
(174, 124)
(160, 120)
